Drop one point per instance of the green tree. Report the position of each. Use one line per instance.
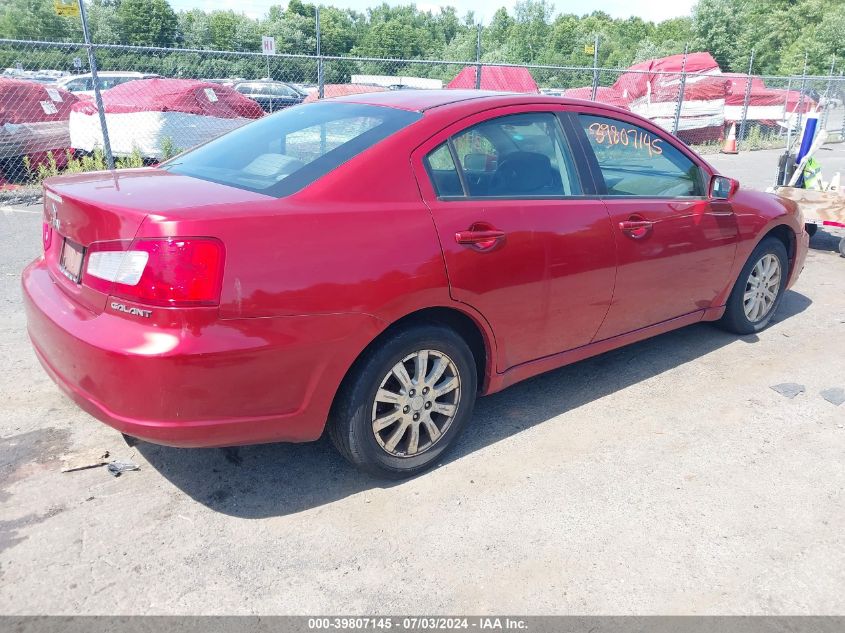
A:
(104, 23)
(147, 22)
(32, 20)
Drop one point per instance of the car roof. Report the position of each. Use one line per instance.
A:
(422, 100)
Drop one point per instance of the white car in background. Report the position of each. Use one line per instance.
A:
(84, 84)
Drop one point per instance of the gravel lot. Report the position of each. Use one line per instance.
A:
(666, 477)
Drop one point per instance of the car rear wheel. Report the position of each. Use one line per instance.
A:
(405, 402)
(759, 289)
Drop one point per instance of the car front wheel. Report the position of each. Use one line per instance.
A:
(759, 289)
(405, 402)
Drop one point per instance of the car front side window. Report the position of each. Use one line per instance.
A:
(637, 162)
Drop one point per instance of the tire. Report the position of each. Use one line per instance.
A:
(811, 229)
(736, 318)
(842, 247)
(356, 412)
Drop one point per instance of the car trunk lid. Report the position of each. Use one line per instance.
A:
(82, 209)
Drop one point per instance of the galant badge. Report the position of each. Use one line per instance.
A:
(119, 307)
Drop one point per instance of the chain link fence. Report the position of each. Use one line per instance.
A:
(160, 101)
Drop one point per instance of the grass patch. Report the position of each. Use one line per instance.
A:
(94, 161)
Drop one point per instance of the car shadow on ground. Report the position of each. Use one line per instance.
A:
(280, 479)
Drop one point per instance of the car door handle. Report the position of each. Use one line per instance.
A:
(636, 228)
(480, 239)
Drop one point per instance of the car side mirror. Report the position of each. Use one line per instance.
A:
(722, 187)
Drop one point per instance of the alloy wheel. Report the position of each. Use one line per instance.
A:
(416, 403)
(762, 288)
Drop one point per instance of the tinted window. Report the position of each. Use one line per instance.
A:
(517, 156)
(637, 162)
(279, 154)
(444, 174)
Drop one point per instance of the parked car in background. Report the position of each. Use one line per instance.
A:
(46, 76)
(159, 117)
(370, 264)
(84, 84)
(304, 88)
(270, 95)
(226, 81)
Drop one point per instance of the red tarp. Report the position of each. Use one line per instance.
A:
(762, 95)
(703, 81)
(765, 105)
(502, 78)
(738, 81)
(175, 95)
(31, 102)
(342, 90)
(603, 95)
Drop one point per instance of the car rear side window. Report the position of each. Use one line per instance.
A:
(637, 162)
(444, 174)
(280, 154)
(518, 156)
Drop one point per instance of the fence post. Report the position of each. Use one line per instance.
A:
(841, 97)
(98, 98)
(826, 111)
(478, 58)
(321, 84)
(801, 100)
(745, 101)
(681, 87)
(595, 68)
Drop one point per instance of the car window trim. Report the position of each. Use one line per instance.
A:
(461, 176)
(523, 198)
(429, 171)
(589, 181)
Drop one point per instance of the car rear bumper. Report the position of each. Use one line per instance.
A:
(222, 383)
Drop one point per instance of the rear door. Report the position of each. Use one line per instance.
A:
(675, 246)
(523, 241)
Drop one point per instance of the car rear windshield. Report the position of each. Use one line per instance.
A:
(280, 154)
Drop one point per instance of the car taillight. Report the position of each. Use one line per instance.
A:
(166, 272)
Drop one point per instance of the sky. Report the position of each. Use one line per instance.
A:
(647, 9)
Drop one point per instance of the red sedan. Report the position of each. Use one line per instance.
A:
(370, 264)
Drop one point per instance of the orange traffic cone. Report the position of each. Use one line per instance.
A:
(730, 142)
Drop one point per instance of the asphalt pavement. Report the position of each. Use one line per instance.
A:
(666, 477)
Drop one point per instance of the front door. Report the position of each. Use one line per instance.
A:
(675, 246)
(522, 243)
